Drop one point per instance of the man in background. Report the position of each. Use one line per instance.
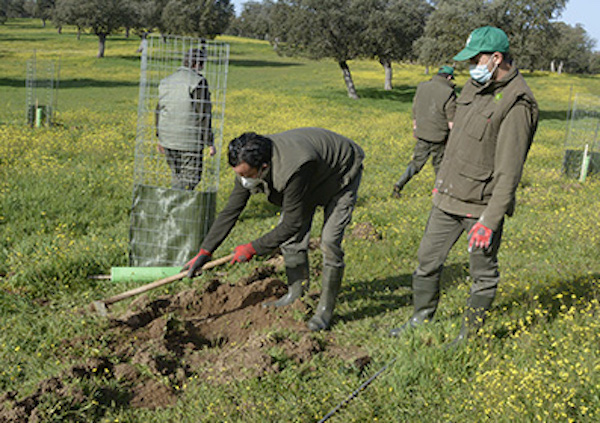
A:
(433, 110)
(183, 120)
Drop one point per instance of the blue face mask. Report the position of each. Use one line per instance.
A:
(481, 73)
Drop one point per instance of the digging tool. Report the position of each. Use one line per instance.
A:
(101, 306)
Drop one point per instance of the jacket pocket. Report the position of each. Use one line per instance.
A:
(469, 182)
(478, 123)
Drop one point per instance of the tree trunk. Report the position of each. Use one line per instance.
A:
(101, 44)
(560, 67)
(127, 32)
(59, 29)
(387, 67)
(78, 33)
(426, 69)
(348, 80)
(552, 67)
(43, 23)
(141, 47)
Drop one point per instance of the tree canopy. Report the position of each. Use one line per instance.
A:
(427, 31)
(202, 18)
(321, 28)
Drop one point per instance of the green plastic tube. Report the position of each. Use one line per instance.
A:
(142, 274)
(38, 117)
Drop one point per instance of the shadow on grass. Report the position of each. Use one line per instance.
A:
(553, 115)
(401, 93)
(383, 295)
(552, 298)
(261, 64)
(72, 83)
(130, 57)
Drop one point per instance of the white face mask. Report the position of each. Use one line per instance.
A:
(481, 73)
(249, 183)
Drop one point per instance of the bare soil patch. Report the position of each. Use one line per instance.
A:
(219, 334)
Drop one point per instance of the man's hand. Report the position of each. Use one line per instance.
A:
(160, 149)
(197, 262)
(243, 253)
(212, 150)
(479, 236)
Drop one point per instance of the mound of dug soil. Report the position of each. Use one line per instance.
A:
(220, 334)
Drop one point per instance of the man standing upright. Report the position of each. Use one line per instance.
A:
(433, 111)
(183, 120)
(496, 119)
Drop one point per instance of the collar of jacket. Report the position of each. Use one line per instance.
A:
(443, 80)
(494, 85)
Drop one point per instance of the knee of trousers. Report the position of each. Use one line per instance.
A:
(295, 258)
(430, 264)
(484, 270)
(333, 255)
(485, 287)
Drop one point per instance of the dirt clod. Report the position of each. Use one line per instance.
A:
(366, 231)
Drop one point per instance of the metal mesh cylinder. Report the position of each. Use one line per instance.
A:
(41, 86)
(582, 146)
(179, 135)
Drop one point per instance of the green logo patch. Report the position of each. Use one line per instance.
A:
(498, 97)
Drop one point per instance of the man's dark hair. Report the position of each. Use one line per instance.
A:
(194, 56)
(251, 148)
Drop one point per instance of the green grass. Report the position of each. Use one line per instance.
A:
(65, 193)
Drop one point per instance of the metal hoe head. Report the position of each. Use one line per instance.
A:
(100, 308)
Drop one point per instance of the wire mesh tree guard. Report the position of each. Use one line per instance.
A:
(41, 90)
(181, 108)
(582, 145)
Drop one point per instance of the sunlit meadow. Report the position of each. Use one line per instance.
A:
(65, 194)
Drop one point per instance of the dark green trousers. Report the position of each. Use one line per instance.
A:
(337, 214)
(441, 233)
(424, 149)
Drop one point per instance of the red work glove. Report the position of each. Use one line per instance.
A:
(479, 236)
(243, 253)
(197, 262)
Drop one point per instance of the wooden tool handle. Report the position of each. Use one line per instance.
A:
(164, 281)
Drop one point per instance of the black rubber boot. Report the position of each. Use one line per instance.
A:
(426, 295)
(332, 280)
(473, 319)
(296, 270)
(406, 176)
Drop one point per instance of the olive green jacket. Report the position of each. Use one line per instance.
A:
(183, 112)
(433, 107)
(308, 167)
(493, 129)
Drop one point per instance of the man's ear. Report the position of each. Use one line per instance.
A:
(498, 58)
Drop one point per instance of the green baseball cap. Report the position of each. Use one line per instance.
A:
(483, 40)
(447, 69)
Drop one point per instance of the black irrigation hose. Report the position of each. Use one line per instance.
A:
(356, 392)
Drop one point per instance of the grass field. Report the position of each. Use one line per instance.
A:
(65, 194)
